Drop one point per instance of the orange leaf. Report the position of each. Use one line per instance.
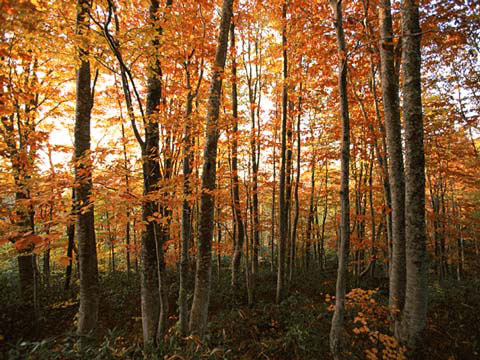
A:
(65, 260)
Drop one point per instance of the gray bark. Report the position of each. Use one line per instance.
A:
(336, 339)
(201, 295)
(70, 246)
(88, 311)
(394, 146)
(283, 209)
(127, 189)
(415, 310)
(186, 209)
(237, 254)
(309, 233)
(297, 205)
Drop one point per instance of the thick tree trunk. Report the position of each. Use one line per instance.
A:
(396, 172)
(415, 310)
(237, 254)
(336, 339)
(88, 312)
(153, 288)
(201, 296)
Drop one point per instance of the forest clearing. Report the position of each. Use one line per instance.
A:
(246, 179)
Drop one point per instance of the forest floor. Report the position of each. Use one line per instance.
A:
(298, 328)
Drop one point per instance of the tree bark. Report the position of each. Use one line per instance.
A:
(186, 209)
(153, 288)
(415, 310)
(311, 215)
(324, 220)
(274, 189)
(237, 254)
(283, 209)
(201, 296)
(127, 189)
(396, 172)
(88, 311)
(336, 339)
(297, 181)
(70, 246)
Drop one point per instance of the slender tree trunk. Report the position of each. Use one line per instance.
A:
(274, 189)
(248, 259)
(219, 252)
(381, 155)
(252, 92)
(127, 189)
(237, 254)
(201, 296)
(288, 196)
(396, 172)
(415, 310)
(373, 254)
(186, 212)
(46, 254)
(70, 246)
(283, 208)
(135, 244)
(311, 215)
(297, 181)
(88, 311)
(324, 221)
(336, 339)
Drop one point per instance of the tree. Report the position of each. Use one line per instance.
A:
(339, 314)
(394, 145)
(85, 226)
(240, 227)
(283, 202)
(415, 309)
(201, 295)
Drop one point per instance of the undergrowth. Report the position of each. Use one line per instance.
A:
(297, 328)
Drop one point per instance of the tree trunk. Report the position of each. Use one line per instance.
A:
(153, 289)
(274, 189)
(415, 310)
(186, 211)
(297, 205)
(336, 339)
(252, 97)
(127, 189)
(201, 296)
(373, 255)
(237, 254)
(396, 172)
(283, 209)
(324, 220)
(88, 311)
(310, 225)
(70, 246)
